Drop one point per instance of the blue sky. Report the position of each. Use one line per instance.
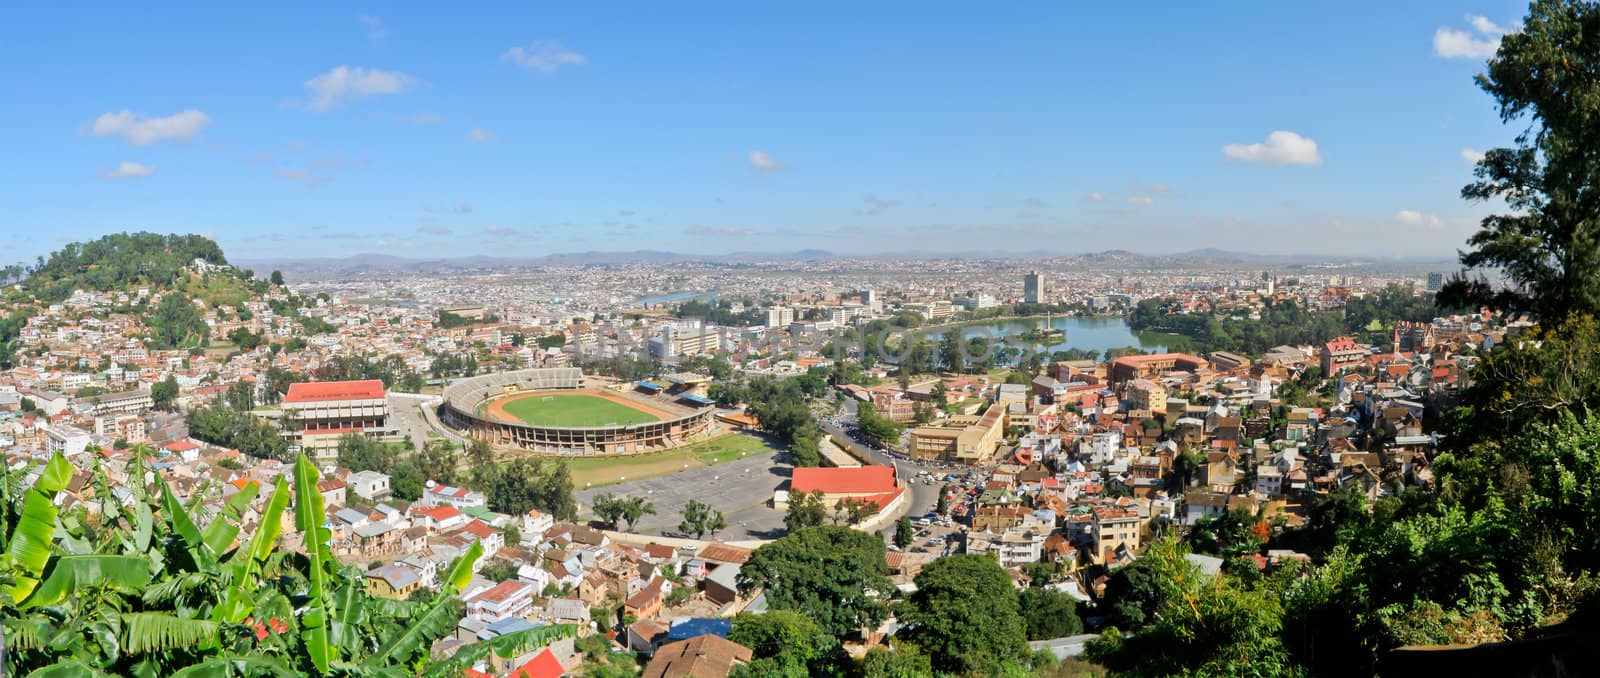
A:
(423, 129)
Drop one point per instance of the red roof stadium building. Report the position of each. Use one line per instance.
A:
(871, 484)
(319, 413)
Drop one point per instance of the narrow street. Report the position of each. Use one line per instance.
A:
(923, 497)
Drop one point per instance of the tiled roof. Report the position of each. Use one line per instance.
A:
(324, 391)
(861, 480)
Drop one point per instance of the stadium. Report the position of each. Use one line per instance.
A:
(554, 411)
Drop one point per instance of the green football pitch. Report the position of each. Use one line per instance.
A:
(574, 410)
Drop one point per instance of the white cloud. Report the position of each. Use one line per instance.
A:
(1141, 200)
(1094, 197)
(1281, 148)
(129, 169)
(479, 135)
(492, 229)
(1471, 155)
(1485, 26)
(142, 131)
(545, 56)
(343, 83)
(764, 161)
(1415, 218)
(376, 31)
(299, 177)
(1479, 43)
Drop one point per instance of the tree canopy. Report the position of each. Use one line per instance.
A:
(834, 575)
(964, 615)
(1546, 76)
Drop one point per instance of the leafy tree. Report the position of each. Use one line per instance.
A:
(1545, 246)
(1048, 613)
(276, 278)
(964, 615)
(904, 661)
(1200, 626)
(852, 512)
(786, 643)
(1228, 535)
(699, 518)
(164, 393)
(240, 430)
(436, 461)
(360, 453)
(1132, 596)
(805, 510)
(950, 352)
(516, 486)
(904, 534)
(634, 508)
(834, 575)
(176, 322)
(876, 427)
(609, 508)
(499, 570)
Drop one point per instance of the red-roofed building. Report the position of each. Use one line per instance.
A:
(1341, 353)
(543, 665)
(438, 518)
(861, 480)
(333, 391)
(871, 484)
(323, 411)
(1128, 368)
(513, 598)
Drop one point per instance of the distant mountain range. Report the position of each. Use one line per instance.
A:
(372, 263)
(384, 263)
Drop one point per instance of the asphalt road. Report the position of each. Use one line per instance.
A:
(923, 497)
(739, 489)
(406, 411)
(1062, 648)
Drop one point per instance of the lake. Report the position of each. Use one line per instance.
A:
(1092, 334)
(669, 298)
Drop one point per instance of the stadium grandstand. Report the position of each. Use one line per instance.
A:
(557, 411)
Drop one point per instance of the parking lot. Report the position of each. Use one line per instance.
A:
(739, 489)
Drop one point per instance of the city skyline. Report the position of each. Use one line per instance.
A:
(524, 132)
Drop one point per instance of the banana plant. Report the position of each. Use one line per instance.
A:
(309, 516)
(160, 596)
(512, 644)
(435, 622)
(240, 596)
(30, 544)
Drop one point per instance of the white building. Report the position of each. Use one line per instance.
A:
(67, 440)
(437, 494)
(370, 485)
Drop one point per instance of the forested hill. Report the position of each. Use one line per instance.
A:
(120, 261)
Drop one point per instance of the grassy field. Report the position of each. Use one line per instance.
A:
(598, 471)
(575, 410)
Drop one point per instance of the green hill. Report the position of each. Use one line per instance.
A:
(122, 261)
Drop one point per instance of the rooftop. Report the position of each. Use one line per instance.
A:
(326, 391)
